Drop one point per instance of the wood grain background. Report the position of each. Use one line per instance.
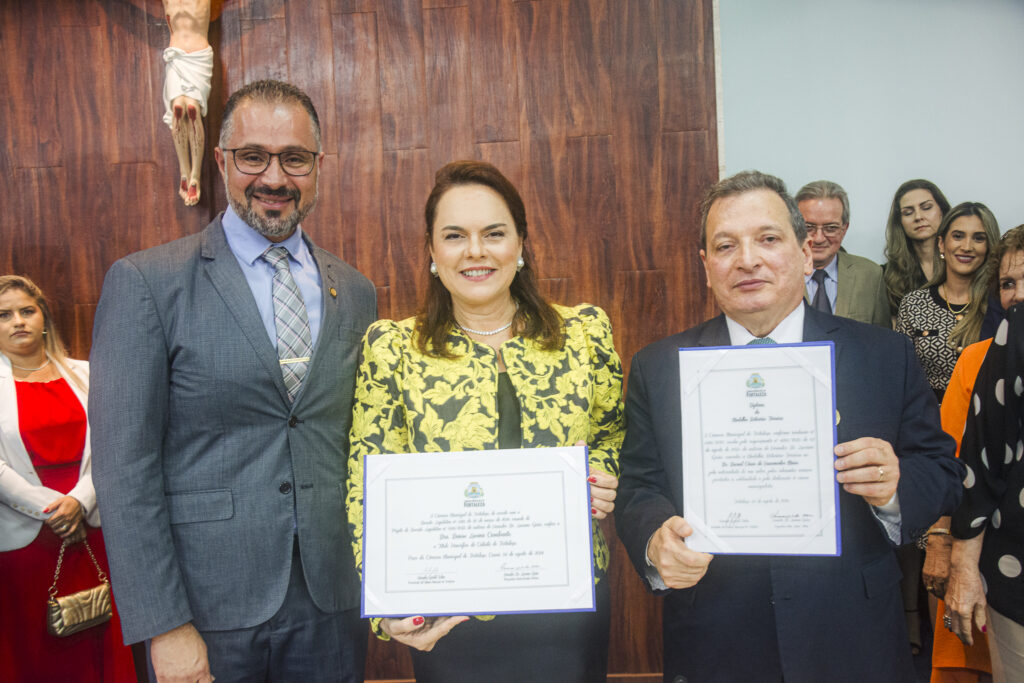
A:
(601, 111)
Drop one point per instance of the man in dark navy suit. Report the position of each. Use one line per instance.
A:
(791, 618)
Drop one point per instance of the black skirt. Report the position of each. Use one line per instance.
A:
(564, 648)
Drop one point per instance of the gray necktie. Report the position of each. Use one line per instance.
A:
(294, 344)
(761, 341)
(820, 301)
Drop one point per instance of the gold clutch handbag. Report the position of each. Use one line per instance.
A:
(78, 611)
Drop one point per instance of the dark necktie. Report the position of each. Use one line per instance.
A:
(820, 301)
(294, 345)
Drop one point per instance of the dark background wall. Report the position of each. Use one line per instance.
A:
(601, 111)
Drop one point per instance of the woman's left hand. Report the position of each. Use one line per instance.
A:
(602, 490)
(67, 519)
(965, 591)
(602, 493)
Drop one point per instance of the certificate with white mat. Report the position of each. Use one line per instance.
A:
(483, 532)
(758, 432)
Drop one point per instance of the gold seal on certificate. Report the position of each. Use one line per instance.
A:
(758, 432)
(483, 532)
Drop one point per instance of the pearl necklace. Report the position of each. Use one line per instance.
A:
(491, 332)
(31, 369)
(486, 334)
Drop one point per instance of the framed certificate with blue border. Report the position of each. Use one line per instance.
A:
(758, 433)
(484, 532)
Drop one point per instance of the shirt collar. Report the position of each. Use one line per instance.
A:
(247, 244)
(832, 270)
(790, 329)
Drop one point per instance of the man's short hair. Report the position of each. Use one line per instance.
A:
(825, 189)
(749, 181)
(268, 92)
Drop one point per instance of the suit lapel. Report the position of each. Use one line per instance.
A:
(844, 295)
(822, 327)
(329, 293)
(230, 283)
(715, 333)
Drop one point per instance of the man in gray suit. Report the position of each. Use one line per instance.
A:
(853, 285)
(223, 371)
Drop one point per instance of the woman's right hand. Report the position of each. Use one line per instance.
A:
(67, 519)
(421, 633)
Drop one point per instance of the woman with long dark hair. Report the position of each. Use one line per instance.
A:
(911, 256)
(487, 363)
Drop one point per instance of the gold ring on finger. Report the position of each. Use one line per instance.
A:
(881, 474)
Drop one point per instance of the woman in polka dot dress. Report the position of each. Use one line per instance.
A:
(986, 583)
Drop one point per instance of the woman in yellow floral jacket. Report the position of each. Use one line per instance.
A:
(486, 364)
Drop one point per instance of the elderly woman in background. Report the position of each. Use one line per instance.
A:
(46, 499)
(946, 316)
(986, 582)
(488, 363)
(951, 659)
(917, 210)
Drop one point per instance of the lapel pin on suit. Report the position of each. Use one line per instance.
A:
(334, 293)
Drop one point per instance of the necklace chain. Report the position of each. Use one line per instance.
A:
(959, 312)
(47, 362)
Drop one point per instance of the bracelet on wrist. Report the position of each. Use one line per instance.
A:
(922, 542)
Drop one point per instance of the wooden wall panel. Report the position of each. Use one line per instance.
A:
(311, 59)
(543, 120)
(261, 37)
(600, 111)
(402, 80)
(635, 93)
(593, 204)
(492, 42)
(135, 121)
(686, 66)
(449, 98)
(586, 50)
(360, 143)
(30, 113)
(404, 172)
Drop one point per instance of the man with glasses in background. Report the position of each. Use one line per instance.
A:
(223, 370)
(841, 283)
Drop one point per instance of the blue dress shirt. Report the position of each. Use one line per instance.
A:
(831, 283)
(248, 245)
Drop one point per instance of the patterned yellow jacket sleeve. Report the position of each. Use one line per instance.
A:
(407, 402)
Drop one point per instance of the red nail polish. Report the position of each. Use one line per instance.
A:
(984, 629)
(418, 621)
(592, 480)
(593, 511)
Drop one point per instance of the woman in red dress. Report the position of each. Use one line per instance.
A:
(46, 498)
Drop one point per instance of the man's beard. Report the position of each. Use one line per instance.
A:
(270, 224)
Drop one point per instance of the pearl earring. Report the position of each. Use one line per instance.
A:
(433, 269)
(520, 263)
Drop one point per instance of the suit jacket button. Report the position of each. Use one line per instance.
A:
(286, 487)
(292, 421)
